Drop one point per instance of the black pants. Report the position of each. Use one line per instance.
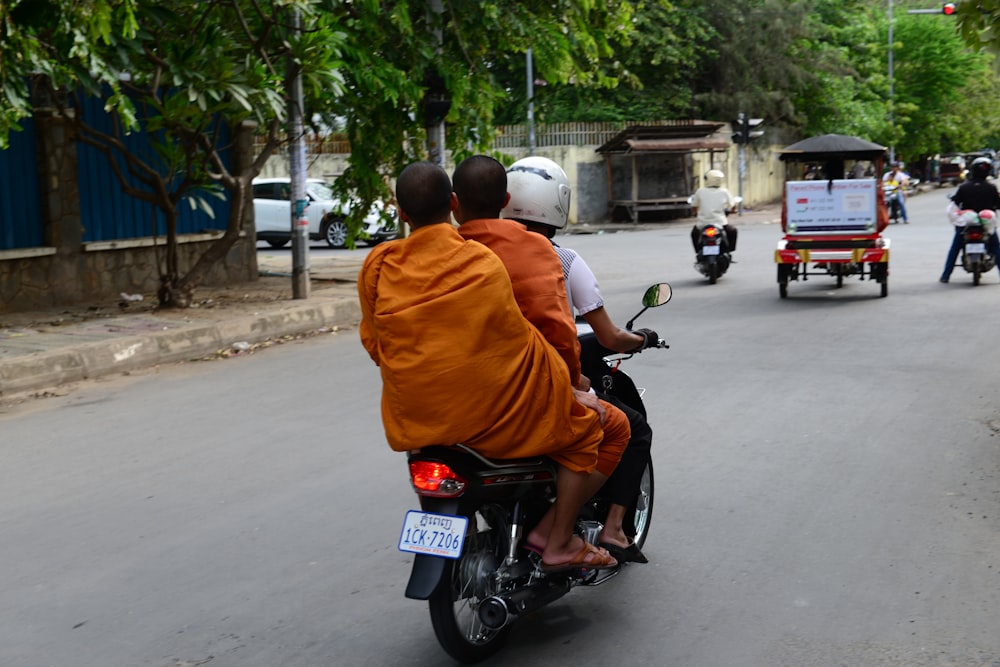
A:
(623, 485)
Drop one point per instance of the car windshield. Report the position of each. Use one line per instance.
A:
(319, 191)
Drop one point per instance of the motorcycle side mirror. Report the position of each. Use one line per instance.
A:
(655, 295)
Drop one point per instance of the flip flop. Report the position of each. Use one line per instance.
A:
(629, 554)
(599, 559)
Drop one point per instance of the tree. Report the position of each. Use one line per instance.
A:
(392, 57)
(651, 69)
(57, 41)
(179, 69)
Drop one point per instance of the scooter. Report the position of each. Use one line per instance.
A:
(713, 258)
(891, 194)
(471, 562)
(976, 256)
(714, 255)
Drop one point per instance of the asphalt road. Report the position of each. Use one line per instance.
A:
(828, 489)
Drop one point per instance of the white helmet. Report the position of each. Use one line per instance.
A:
(539, 192)
(714, 178)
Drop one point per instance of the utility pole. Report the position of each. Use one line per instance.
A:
(892, 120)
(297, 172)
(531, 103)
(743, 134)
(436, 97)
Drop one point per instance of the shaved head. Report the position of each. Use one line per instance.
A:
(480, 184)
(423, 191)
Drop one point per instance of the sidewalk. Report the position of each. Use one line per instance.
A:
(46, 349)
(43, 350)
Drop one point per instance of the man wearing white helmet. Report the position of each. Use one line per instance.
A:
(539, 199)
(711, 203)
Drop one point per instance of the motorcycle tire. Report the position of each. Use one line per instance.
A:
(713, 273)
(465, 583)
(976, 276)
(642, 510)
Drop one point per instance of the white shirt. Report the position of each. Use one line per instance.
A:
(582, 289)
(712, 204)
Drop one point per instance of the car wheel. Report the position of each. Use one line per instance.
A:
(274, 243)
(334, 232)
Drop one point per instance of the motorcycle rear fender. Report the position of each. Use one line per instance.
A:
(425, 575)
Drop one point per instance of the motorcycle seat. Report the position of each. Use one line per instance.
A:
(496, 464)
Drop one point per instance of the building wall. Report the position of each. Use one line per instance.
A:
(66, 269)
(585, 168)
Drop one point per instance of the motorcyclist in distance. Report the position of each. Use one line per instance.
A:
(539, 199)
(976, 194)
(710, 204)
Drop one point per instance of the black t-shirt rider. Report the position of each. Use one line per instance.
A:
(977, 195)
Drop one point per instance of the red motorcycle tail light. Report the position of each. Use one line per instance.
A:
(710, 232)
(435, 479)
(974, 235)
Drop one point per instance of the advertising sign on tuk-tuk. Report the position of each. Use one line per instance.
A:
(831, 207)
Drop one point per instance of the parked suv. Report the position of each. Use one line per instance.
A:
(272, 208)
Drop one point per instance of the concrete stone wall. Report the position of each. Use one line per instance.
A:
(67, 271)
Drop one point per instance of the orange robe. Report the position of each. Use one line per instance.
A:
(537, 278)
(459, 363)
(539, 284)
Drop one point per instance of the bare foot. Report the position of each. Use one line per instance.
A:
(618, 538)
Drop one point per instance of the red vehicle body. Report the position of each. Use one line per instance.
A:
(833, 225)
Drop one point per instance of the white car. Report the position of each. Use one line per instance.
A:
(272, 211)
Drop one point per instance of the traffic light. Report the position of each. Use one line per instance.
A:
(948, 9)
(437, 102)
(743, 129)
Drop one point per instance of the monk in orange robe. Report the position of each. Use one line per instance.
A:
(536, 275)
(460, 364)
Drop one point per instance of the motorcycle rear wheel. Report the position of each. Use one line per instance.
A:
(465, 583)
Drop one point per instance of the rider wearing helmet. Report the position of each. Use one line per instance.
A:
(976, 194)
(711, 203)
(539, 199)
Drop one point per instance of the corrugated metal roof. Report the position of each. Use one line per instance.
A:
(679, 137)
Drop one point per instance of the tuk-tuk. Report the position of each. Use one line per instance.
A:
(833, 212)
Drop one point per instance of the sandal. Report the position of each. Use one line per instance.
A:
(588, 557)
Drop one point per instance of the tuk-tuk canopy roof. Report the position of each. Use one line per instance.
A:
(830, 146)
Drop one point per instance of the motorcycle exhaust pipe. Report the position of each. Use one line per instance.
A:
(497, 611)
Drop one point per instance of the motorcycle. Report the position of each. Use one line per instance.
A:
(976, 231)
(471, 561)
(713, 256)
(892, 195)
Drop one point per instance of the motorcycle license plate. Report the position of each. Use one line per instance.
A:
(710, 250)
(433, 534)
(975, 248)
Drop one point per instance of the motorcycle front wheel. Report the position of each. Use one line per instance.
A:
(465, 583)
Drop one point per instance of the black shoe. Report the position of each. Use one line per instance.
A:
(943, 279)
(629, 554)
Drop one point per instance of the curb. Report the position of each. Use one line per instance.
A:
(42, 370)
